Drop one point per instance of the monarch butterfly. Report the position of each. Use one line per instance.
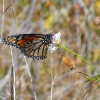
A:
(31, 45)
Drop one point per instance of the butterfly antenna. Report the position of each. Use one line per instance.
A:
(7, 7)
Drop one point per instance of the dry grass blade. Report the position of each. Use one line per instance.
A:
(85, 94)
(7, 7)
(12, 84)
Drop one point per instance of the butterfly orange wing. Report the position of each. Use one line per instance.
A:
(31, 45)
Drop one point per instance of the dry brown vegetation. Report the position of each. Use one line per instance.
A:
(78, 22)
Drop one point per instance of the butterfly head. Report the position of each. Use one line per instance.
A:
(47, 39)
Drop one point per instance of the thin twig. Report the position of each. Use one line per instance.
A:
(13, 73)
(21, 89)
(89, 79)
(52, 83)
(26, 61)
(2, 20)
(30, 78)
(7, 7)
(31, 12)
(85, 94)
(12, 84)
(15, 21)
(8, 89)
(54, 78)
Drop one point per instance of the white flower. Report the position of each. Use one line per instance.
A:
(55, 42)
(56, 38)
(52, 48)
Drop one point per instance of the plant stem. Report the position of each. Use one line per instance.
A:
(12, 84)
(61, 46)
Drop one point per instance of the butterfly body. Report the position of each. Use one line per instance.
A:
(31, 45)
